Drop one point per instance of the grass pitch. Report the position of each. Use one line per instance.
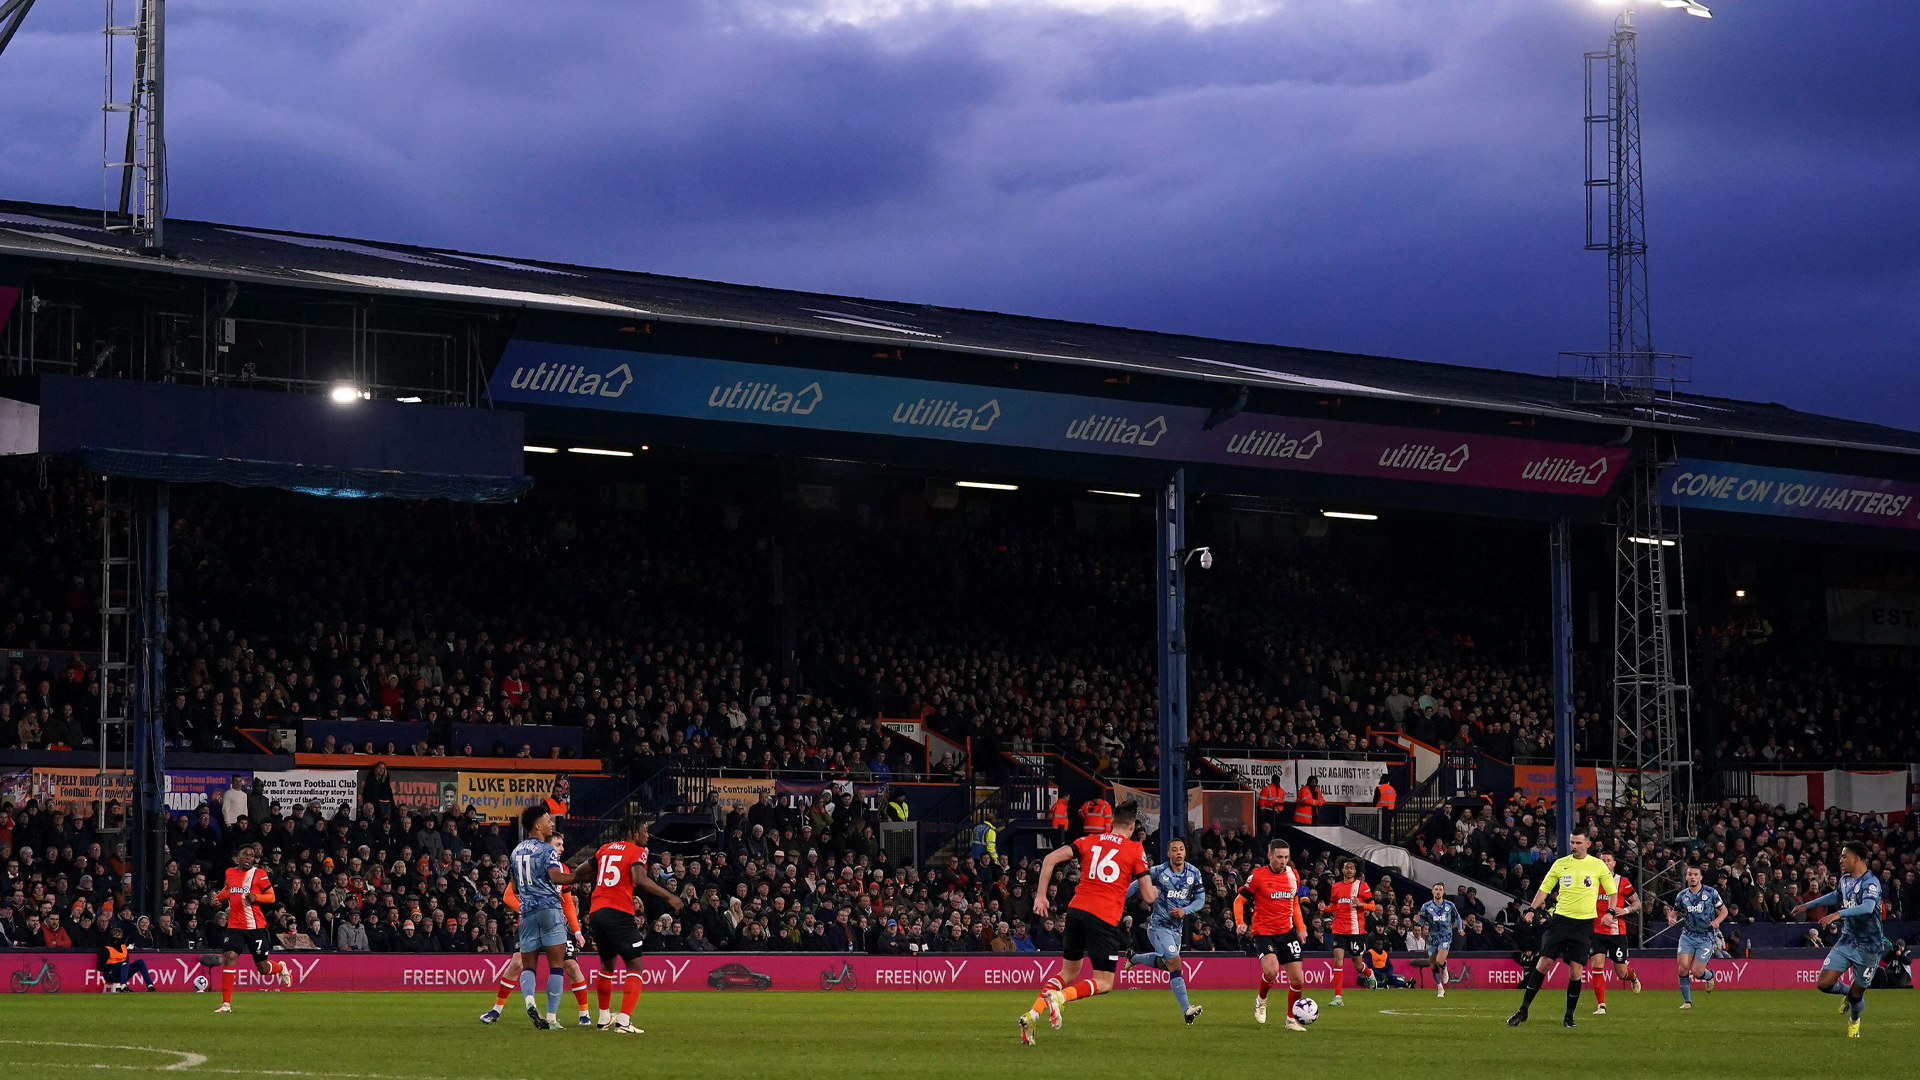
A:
(1394, 1033)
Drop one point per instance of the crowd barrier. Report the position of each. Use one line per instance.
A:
(752, 972)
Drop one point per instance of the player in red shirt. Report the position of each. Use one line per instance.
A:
(1610, 940)
(1268, 908)
(1351, 900)
(617, 868)
(1109, 863)
(247, 887)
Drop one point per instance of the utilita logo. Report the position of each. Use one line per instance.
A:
(1275, 444)
(1422, 458)
(1118, 429)
(572, 379)
(1559, 470)
(941, 413)
(766, 397)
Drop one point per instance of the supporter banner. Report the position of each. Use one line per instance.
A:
(1852, 792)
(325, 789)
(803, 792)
(1224, 810)
(16, 786)
(1255, 772)
(1342, 781)
(544, 373)
(1866, 617)
(188, 789)
(1797, 493)
(429, 791)
(1536, 781)
(912, 729)
(739, 793)
(73, 790)
(500, 797)
(1149, 801)
(755, 972)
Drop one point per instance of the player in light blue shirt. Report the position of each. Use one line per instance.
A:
(1862, 943)
(537, 876)
(1442, 919)
(1699, 911)
(1182, 891)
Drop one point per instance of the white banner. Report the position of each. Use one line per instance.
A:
(1350, 782)
(326, 789)
(1867, 793)
(1255, 772)
(1867, 617)
(912, 729)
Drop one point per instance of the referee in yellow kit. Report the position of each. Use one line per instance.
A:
(1580, 879)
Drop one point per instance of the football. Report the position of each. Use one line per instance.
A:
(1306, 1010)
(200, 984)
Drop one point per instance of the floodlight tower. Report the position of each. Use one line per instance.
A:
(1652, 780)
(139, 167)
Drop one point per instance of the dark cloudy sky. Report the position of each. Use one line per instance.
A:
(1390, 176)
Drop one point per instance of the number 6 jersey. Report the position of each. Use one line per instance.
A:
(1108, 864)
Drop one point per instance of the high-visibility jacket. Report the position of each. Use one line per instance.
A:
(897, 810)
(1096, 816)
(1060, 812)
(1386, 797)
(1273, 797)
(986, 840)
(1304, 804)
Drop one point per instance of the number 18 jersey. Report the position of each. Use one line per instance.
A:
(1108, 864)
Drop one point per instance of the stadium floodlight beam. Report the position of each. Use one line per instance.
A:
(595, 451)
(540, 449)
(982, 484)
(345, 394)
(1347, 515)
(1121, 494)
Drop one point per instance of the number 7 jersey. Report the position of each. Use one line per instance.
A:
(1108, 864)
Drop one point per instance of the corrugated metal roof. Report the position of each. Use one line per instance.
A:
(203, 249)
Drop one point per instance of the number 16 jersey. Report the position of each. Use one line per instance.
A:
(1108, 864)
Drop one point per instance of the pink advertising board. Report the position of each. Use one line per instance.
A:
(753, 972)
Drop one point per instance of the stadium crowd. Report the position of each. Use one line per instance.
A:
(1013, 634)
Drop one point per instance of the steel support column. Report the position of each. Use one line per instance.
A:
(1171, 592)
(146, 712)
(1560, 569)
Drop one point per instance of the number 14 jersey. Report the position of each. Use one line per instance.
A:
(1108, 864)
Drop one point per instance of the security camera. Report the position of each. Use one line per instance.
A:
(1205, 554)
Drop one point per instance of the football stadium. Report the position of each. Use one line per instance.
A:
(425, 664)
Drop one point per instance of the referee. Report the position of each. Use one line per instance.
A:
(1580, 879)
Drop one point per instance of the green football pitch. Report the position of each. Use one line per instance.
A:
(1392, 1033)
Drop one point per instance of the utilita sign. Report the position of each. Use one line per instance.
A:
(757, 972)
(543, 373)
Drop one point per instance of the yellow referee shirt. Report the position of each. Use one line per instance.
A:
(1579, 883)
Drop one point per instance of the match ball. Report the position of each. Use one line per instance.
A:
(1306, 1010)
(199, 984)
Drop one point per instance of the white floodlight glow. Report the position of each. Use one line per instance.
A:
(345, 394)
(1349, 516)
(541, 449)
(598, 452)
(409, 400)
(1648, 540)
(1122, 494)
(986, 486)
(1699, 10)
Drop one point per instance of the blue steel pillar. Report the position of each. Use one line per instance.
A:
(1561, 571)
(146, 707)
(1171, 592)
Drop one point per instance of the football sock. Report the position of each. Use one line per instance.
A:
(603, 990)
(501, 993)
(227, 976)
(630, 995)
(1145, 959)
(556, 985)
(1836, 988)
(1265, 985)
(1339, 978)
(1531, 984)
(580, 994)
(1053, 982)
(527, 980)
(1178, 984)
(1293, 995)
(1856, 1004)
(1599, 979)
(1573, 995)
(1686, 989)
(1085, 988)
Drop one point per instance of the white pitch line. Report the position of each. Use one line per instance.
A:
(189, 1060)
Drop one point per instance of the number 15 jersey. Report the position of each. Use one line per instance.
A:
(1108, 864)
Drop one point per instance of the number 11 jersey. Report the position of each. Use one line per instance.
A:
(1108, 864)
